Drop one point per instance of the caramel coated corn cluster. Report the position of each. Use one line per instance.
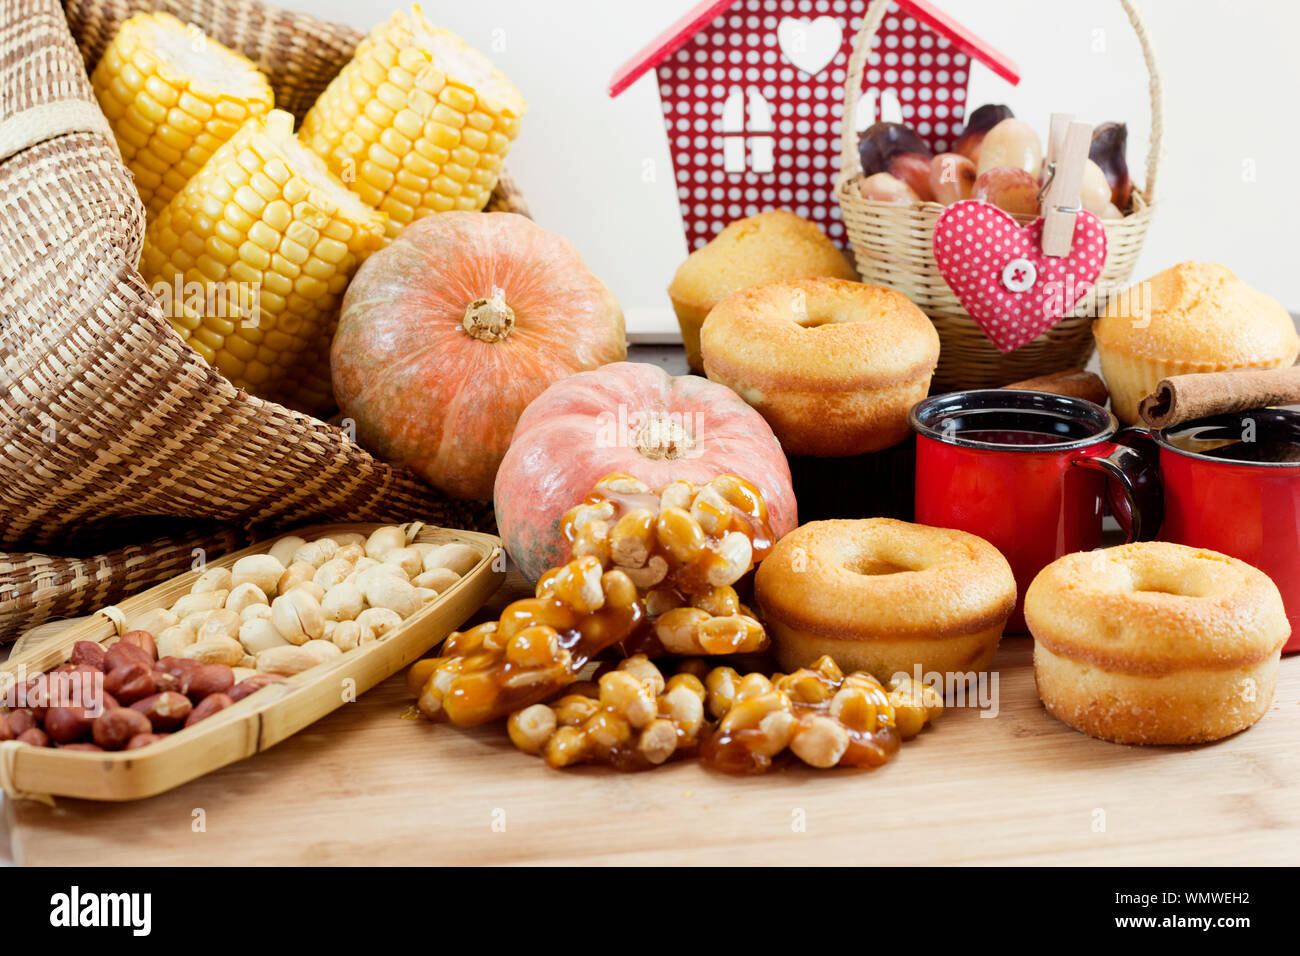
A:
(632, 718)
(687, 538)
(823, 717)
(533, 651)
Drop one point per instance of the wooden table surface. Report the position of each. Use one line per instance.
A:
(369, 785)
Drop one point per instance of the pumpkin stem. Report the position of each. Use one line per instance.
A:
(489, 319)
(664, 437)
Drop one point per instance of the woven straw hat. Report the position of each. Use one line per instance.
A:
(112, 431)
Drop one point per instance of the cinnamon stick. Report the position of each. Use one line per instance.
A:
(1184, 398)
(1075, 382)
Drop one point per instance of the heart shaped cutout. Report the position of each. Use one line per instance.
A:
(810, 45)
(997, 268)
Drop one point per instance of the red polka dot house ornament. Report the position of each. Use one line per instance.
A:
(753, 92)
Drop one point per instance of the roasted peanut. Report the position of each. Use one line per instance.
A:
(214, 579)
(567, 746)
(350, 552)
(198, 603)
(245, 596)
(176, 665)
(658, 741)
(640, 667)
(212, 704)
(375, 622)
(166, 711)
(114, 728)
(82, 746)
(88, 652)
(296, 659)
(217, 650)
(316, 552)
(130, 682)
(300, 572)
(199, 682)
(251, 685)
(260, 635)
(174, 640)
(143, 640)
(383, 540)
(455, 556)
(297, 616)
(346, 635)
(143, 740)
(821, 743)
(410, 560)
(35, 736)
(439, 579)
(625, 695)
(284, 549)
(155, 620)
(386, 591)
(530, 728)
(262, 570)
(19, 721)
(222, 622)
(331, 573)
(125, 652)
(68, 725)
(915, 704)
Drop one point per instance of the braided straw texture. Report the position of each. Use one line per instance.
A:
(105, 413)
(893, 245)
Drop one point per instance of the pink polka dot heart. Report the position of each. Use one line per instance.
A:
(996, 267)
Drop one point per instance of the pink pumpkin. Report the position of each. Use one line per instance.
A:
(635, 418)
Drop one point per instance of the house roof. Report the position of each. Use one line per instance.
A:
(676, 36)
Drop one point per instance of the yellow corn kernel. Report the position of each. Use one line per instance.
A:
(267, 269)
(172, 97)
(415, 90)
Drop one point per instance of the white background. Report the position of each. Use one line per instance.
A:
(1228, 188)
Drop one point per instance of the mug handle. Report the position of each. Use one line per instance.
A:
(1133, 465)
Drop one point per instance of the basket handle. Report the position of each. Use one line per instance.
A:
(850, 165)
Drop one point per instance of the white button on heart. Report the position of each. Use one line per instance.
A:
(1019, 275)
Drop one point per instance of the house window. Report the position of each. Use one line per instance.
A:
(747, 121)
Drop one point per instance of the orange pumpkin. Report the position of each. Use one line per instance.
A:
(450, 332)
(636, 418)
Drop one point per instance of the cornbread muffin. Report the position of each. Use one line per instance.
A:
(1195, 317)
(1155, 643)
(763, 248)
(834, 366)
(885, 596)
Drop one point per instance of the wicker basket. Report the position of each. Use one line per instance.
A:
(106, 416)
(893, 246)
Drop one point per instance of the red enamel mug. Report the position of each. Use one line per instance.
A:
(1027, 472)
(1232, 484)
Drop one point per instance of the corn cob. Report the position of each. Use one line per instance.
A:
(417, 122)
(172, 96)
(265, 224)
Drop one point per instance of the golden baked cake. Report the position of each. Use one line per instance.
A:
(885, 596)
(763, 248)
(834, 366)
(1194, 317)
(1155, 643)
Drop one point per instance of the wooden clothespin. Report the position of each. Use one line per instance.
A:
(1067, 150)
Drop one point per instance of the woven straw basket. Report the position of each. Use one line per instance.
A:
(892, 244)
(112, 431)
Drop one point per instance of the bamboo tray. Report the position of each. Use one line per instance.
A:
(262, 719)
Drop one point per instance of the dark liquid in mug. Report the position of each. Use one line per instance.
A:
(1015, 427)
(1267, 439)
(1009, 436)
